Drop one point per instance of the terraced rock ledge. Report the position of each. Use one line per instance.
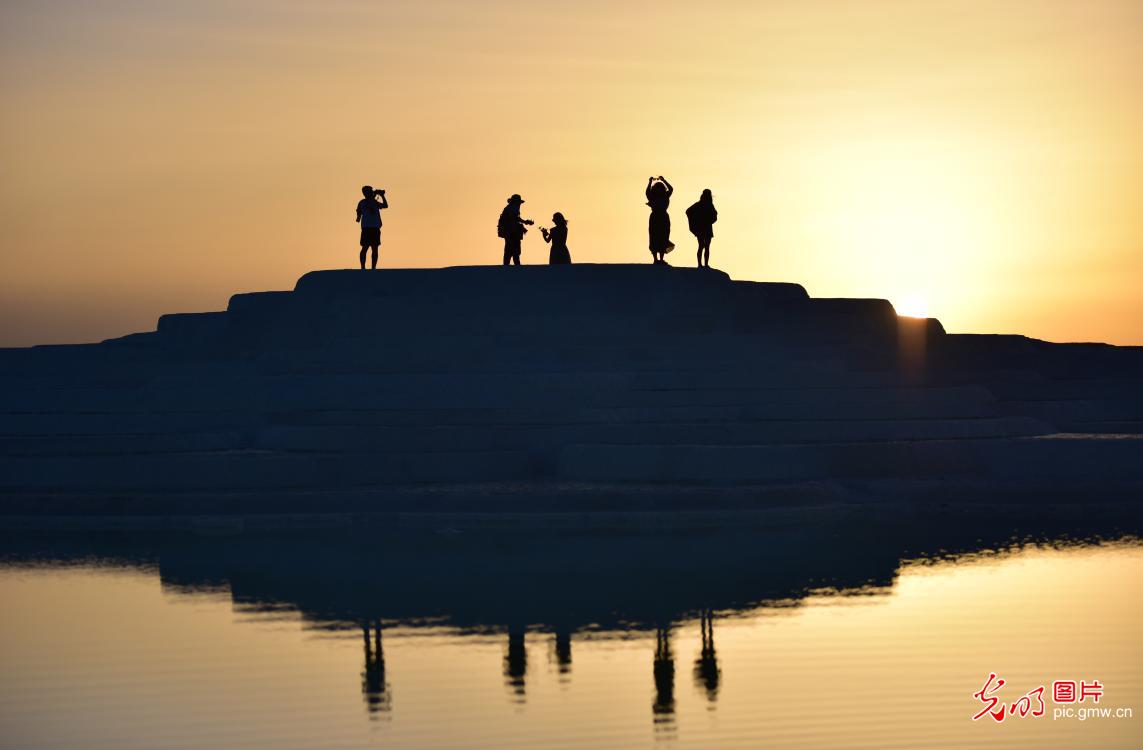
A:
(582, 394)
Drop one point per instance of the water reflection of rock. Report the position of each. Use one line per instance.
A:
(510, 584)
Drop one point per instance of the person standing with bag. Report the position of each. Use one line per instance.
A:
(369, 217)
(511, 228)
(701, 217)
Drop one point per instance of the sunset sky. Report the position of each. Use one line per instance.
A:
(978, 160)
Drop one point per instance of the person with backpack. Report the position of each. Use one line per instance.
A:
(369, 217)
(511, 229)
(701, 217)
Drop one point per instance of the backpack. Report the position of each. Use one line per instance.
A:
(504, 225)
(695, 217)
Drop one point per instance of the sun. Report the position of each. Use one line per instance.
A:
(912, 306)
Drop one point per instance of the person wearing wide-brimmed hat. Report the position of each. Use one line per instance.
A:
(511, 228)
(558, 237)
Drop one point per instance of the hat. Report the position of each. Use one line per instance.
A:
(515, 198)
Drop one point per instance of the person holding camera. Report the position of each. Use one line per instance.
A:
(369, 217)
(558, 238)
(511, 228)
(658, 194)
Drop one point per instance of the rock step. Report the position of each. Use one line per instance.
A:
(1065, 414)
(98, 445)
(392, 371)
(247, 421)
(95, 372)
(371, 361)
(382, 344)
(1109, 427)
(309, 365)
(545, 438)
(255, 470)
(584, 298)
(984, 353)
(265, 395)
(31, 425)
(1041, 458)
(540, 439)
(1118, 389)
(539, 416)
(539, 381)
(369, 355)
(731, 412)
(193, 329)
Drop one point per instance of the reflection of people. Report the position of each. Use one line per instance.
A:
(707, 674)
(511, 228)
(373, 685)
(701, 217)
(563, 650)
(369, 216)
(516, 663)
(558, 236)
(663, 709)
(659, 225)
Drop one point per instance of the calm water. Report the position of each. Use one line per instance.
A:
(461, 640)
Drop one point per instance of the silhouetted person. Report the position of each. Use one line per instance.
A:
(558, 237)
(369, 217)
(516, 662)
(707, 673)
(373, 685)
(663, 709)
(511, 228)
(659, 193)
(701, 217)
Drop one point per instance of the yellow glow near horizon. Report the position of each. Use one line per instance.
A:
(913, 306)
(158, 157)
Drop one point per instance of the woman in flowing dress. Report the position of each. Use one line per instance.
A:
(558, 237)
(659, 226)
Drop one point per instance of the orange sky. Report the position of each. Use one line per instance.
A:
(982, 160)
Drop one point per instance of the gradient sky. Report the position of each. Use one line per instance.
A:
(982, 160)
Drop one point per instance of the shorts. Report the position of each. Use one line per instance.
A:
(370, 236)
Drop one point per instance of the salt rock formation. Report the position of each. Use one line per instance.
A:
(601, 388)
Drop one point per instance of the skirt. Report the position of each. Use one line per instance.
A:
(659, 231)
(559, 255)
